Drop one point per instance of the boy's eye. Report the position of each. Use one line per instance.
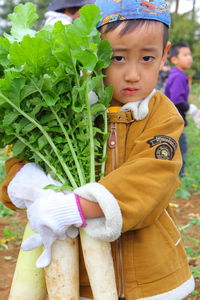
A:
(118, 58)
(148, 58)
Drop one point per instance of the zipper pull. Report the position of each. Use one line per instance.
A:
(112, 141)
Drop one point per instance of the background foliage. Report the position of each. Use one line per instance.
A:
(191, 182)
(7, 6)
(185, 28)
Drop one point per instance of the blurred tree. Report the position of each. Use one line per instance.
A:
(194, 9)
(185, 28)
(177, 6)
(6, 6)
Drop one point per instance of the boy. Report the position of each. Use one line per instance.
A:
(177, 90)
(143, 163)
(65, 11)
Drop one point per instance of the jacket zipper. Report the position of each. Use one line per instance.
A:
(112, 143)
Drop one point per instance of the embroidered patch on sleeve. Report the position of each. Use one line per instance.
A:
(166, 146)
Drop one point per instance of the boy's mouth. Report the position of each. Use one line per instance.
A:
(129, 91)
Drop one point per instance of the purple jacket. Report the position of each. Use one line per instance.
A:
(177, 90)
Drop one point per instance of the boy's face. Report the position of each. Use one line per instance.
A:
(72, 12)
(137, 58)
(183, 60)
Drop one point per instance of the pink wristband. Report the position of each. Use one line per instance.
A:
(80, 210)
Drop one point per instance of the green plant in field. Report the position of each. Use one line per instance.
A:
(194, 293)
(8, 234)
(3, 158)
(196, 272)
(192, 251)
(13, 232)
(195, 90)
(4, 211)
(192, 163)
(195, 221)
(191, 183)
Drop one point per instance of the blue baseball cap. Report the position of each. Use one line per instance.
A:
(120, 10)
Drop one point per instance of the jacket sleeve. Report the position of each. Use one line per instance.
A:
(12, 166)
(183, 107)
(145, 183)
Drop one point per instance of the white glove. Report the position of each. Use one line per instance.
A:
(22, 193)
(194, 112)
(51, 216)
(30, 175)
(196, 119)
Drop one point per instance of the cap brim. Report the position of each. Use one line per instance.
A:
(57, 5)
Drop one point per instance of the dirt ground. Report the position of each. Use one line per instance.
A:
(11, 228)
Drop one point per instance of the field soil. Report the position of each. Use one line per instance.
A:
(11, 230)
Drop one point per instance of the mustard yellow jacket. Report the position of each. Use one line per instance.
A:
(143, 163)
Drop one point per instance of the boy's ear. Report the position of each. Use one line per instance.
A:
(174, 60)
(165, 52)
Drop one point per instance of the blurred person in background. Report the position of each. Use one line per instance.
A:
(162, 76)
(177, 90)
(65, 11)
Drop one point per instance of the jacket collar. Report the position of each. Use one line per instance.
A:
(139, 109)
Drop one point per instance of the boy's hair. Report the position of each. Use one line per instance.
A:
(72, 10)
(130, 25)
(174, 51)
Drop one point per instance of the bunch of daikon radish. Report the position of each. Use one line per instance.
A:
(44, 100)
(60, 280)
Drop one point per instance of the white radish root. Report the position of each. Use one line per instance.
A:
(28, 281)
(62, 275)
(100, 269)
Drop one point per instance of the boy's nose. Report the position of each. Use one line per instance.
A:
(132, 74)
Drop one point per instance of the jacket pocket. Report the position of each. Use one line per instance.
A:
(156, 250)
(128, 257)
(169, 228)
